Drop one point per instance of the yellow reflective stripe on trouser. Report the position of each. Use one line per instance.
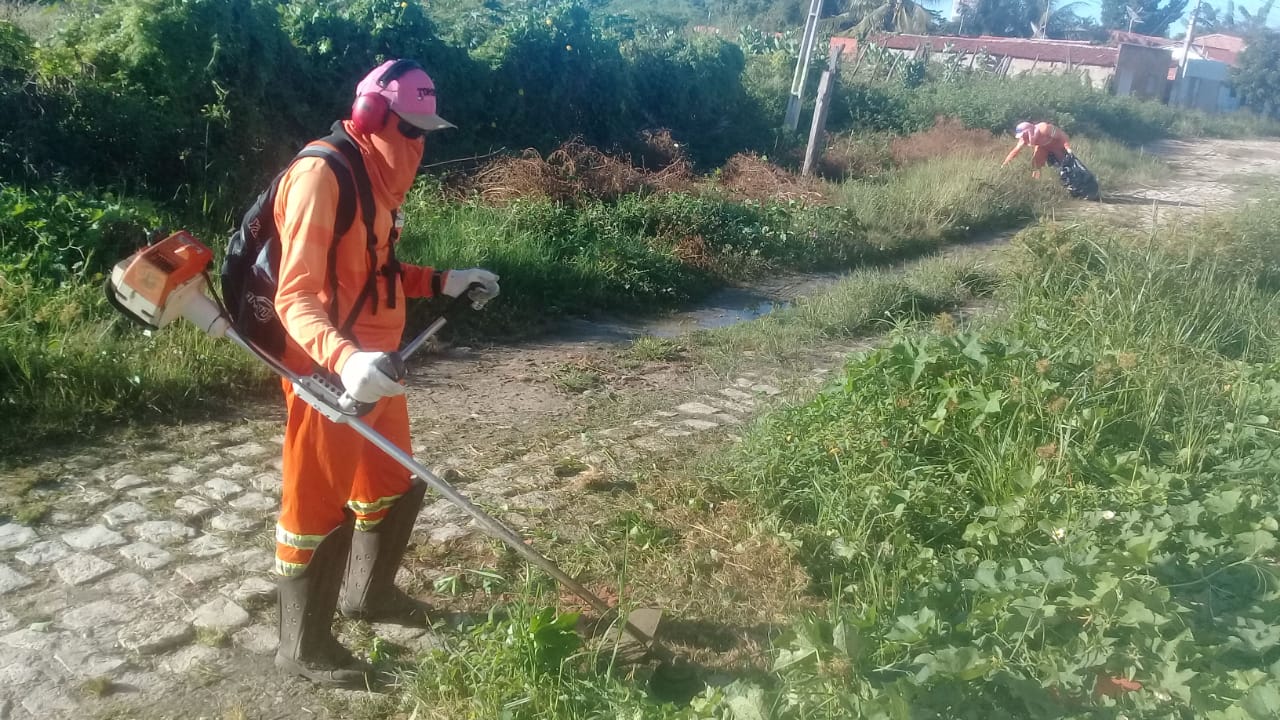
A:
(369, 508)
(369, 514)
(288, 569)
(301, 542)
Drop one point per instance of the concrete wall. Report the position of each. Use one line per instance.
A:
(1098, 75)
(1143, 72)
(1205, 85)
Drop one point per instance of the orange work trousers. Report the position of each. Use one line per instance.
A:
(328, 468)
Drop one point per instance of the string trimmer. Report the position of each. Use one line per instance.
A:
(168, 280)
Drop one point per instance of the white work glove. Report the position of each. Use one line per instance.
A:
(364, 381)
(456, 282)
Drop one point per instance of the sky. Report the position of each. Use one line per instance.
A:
(1092, 8)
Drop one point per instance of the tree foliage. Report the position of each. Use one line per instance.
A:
(1154, 17)
(1257, 79)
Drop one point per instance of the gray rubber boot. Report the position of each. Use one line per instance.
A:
(307, 603)
(370, 592)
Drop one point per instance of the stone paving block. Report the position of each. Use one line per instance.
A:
(201, 573)
(254, 591)
(207, 460)
(93, 538)
(89, 498)
(221, 615)
(37, 641)
(124, 514)
(47, 702)
(738, 395)
(238, 471)
(43, 553)
(11, 580)
(190, 658)
(257, 639)
(441, 512)
(82, 568)
(82, 660)
(181, 475)
(727, 419)
(696, 408)
(654, 443)
(190, 508)
(234, 523)
(128, 481)
(245, 450)
(14, 536)
(126, 585)
(537, 500)
(220, 489)
(163, 532)
(250, 560)
(152, 636)
(267, 484)
(674, 433)
(143, 493)
(743, 383)
(147, 556)
(96, 614)
(766, 389)
(254, 502)
(18, 669)
(207, 546)
(448, 533)
(699, 425)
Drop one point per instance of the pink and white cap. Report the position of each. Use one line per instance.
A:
(410, 94)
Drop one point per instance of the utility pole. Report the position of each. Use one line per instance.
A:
(802, 66)
(817, 130)
(1186, 51)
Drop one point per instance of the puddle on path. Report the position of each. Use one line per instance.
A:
(724, 307)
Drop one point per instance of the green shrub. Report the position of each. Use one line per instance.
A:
(48, 238)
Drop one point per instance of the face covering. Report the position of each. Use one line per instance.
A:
(394, 161)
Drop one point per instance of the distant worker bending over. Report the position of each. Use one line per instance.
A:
(1050, 142)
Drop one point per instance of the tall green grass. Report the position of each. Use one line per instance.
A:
(1070, 513)
(67, 365)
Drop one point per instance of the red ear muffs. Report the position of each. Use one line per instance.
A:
(369, 112)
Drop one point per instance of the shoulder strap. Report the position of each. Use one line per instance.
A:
(368, 209)
(342, 172)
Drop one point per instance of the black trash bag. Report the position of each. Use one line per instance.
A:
(1079, 181)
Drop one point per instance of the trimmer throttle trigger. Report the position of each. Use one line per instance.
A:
(392, 365)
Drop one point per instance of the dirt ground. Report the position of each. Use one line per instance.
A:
(145, 593)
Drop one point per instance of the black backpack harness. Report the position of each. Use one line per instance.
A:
(250, 273)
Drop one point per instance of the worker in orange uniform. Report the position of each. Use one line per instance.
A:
(347, 510)
(1050, 142)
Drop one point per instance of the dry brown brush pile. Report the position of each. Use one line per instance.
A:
(751, 177)
(575, 171)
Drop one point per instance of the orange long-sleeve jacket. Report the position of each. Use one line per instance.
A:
(1045, 137)
(305, 211)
